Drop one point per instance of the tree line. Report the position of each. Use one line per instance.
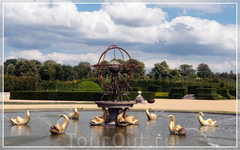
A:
(52, 71)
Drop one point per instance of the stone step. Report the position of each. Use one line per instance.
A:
(189, 96)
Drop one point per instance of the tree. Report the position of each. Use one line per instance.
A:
(82, 69)
(160, 70)
(26, 68)
(10, 69)
(66, 71)
(8, 62)
(203, 71)
(186, 69)
(138, 71)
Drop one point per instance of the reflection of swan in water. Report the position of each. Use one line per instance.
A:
(19, 120)
(207, 129)
(207, 122)
(58, 129)
(75, 114)
(150, 116)
(175, 140)
(99, 120)
(20, 130)
(175, 129)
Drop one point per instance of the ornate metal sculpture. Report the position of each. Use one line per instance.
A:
(175, 129)
(75, 114)
(58, 129)
(100, 120)
(151, 116)
(207, 122)
(115, 68)
(19, 120)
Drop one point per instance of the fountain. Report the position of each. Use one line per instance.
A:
(112, 116)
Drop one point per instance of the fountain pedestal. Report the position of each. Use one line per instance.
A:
(114, 109)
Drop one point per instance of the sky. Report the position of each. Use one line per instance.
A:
(69, 32)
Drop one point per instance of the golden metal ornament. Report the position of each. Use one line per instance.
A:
(75, 114)
(175, 129)
(129, 119)
(120, 119)
(19, 120)
(58, 129)
(124, 120)
(207, 122)
(100, 120)
(150, 116)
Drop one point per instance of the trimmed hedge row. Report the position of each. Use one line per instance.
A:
(178, 93)
(162, 95)
(71, 95)
(207, 93)
(14, 83)
(225, 93)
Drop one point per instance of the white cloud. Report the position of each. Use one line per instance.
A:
(207, 8)
(200, 31)
(63, 23)
(62, 58)
(135, 14)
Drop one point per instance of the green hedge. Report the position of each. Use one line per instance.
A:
(14, 83)
(162, 95)
(232, 92)
(192, 89)
(153, 88)
(207, 93)
(87, 86)
(136, 88)
(178, 93)
(71, 95)
(225, 93)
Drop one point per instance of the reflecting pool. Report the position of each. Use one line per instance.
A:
(147, 133)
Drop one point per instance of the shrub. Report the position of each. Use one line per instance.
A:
(162, 95)
(178, 93)
(136, 89)
(153, 88)
(71, 95)
(207, 93)
(225, 93)
(192, 89)
(87, 86)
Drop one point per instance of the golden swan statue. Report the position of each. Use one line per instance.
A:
(129, 119)
(75, 114)
(58, 129)
(19, 120)
(120, 119)
(99, 120)
(207, 122)
(175, 129)
(151, 116)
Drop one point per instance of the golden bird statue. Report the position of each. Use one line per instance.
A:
(99, 120)
(19, 120)
(58, 129)
(120, 119)
(129, 119)
(150, 116)
(207, 122)
(175, 129)
(75, 114)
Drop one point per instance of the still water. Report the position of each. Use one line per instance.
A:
(147, 133)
